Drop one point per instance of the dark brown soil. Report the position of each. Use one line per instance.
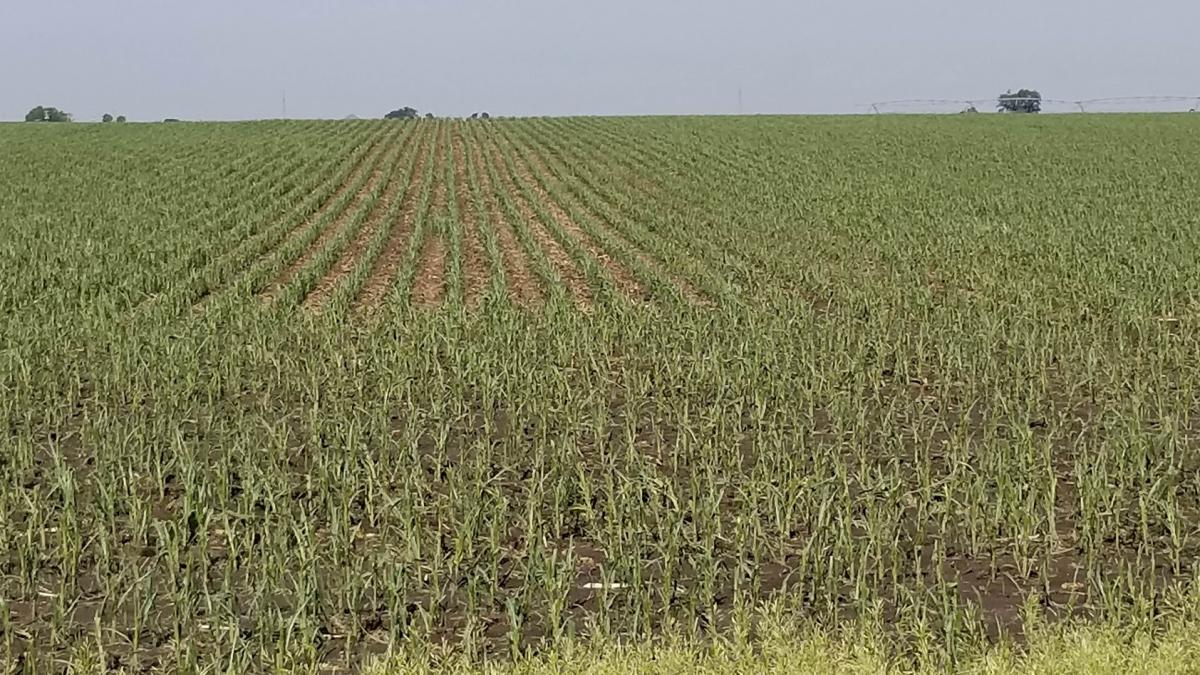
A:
(995, 583)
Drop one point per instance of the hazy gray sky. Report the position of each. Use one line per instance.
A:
(227, 59)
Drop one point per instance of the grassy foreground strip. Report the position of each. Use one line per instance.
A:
(1077, 649)
(1082, 649)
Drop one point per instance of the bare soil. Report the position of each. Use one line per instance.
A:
(685, 287)
(323, 209)
(439, 206)
(429, 286)
(475, 266)
(572, 277)
(624, 280)
(521, 280)
(342, 220)
(349, 258)
(388, 265)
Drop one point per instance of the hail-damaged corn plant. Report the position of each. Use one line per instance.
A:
(297, 395)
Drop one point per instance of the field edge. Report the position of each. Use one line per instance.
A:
(783, 647)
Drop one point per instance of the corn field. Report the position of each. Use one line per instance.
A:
(297, 396)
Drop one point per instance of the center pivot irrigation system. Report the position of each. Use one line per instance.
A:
(1111, 104)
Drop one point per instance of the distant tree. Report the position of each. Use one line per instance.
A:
(107, 118)
(474, 116)
(44, 114)
(484, 116)
(428, 116)
(120, 119)
(170, 120)
(971, 110)
(405, 113)
(1023, 101)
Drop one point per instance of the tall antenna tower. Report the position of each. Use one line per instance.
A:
(285, 104)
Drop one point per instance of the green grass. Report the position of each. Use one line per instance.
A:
(1082, 650)
(915, 373)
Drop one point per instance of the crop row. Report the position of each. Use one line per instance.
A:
(451, 213)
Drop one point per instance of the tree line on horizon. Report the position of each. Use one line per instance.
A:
(1020, 101)
(411, 113)
(52, 114)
